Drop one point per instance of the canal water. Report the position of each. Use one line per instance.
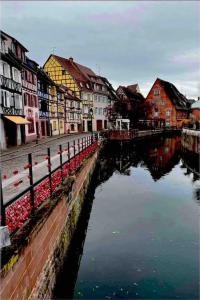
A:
(138, 235)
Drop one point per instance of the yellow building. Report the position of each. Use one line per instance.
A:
(56, 110)
(68, 73)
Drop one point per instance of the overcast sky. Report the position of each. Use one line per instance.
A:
(126, 41)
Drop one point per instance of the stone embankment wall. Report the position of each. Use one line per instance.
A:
(31, 272)
(190, 140)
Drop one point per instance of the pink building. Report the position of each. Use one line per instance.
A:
(30, 99)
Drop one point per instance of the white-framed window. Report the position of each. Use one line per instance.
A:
(12, 100)
(3, 46)
(168, 112)
(5, 98)
(156, 113)
(6, 70)
(18, 101)
(15, 74)
(156, 91)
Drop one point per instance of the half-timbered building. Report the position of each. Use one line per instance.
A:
(44, 93)
(12, 121)
(30, 99)
(87, 86)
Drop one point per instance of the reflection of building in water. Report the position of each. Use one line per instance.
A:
(191, 162)
(161, 157)
(197, 195)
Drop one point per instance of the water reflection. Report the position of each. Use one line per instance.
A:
(138, 244)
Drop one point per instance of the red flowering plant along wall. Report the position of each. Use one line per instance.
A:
(42, 192)
(19, 211)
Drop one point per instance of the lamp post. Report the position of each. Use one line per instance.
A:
(91, 116)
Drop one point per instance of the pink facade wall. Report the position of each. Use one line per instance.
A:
(31, 109)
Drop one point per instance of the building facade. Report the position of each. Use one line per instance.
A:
(87, 86)
(73, 112)
(44, 93)
(166, 106)
(12, 121)
(130, 104)
(195, 113)
(30, 99)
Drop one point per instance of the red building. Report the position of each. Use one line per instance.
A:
(166, 106)
(195, 111)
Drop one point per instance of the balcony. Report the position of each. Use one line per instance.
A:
(10, 84)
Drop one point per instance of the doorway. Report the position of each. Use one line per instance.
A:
(10, 133)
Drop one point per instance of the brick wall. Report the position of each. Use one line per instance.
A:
(34, 273)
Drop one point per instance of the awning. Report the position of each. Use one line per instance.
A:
(17, 120)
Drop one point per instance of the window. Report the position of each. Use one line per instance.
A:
(54, 126)
(6, 70)
(61, 124)
(168, 113)
(18, 101)
(156, 113)
(3, 46)
(25, 96)
(31, 125)
(35, 101)
(12, 104)
(156, 92)
(15, 73)
(5, 98)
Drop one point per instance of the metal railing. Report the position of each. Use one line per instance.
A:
(22, 206)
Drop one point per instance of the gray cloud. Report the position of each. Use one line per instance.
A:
(127, 41)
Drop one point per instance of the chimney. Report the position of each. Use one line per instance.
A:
(71, 59)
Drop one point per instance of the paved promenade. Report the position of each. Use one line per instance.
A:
(15, 159)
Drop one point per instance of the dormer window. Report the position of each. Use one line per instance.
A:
(81, 84)
(87, 85)
(156, 92)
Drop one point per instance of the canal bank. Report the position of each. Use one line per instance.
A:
(140, 227)
(30, 265)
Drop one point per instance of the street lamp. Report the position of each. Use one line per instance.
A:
(91, 116)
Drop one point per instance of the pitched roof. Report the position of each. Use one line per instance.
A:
(42, 75)
(133, 87)
(71, 67)
(110, 88)
(4, 34)
(130, 94)
(178, 99)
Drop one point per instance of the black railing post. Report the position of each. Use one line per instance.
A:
(79, 152)
(32, 196)
(92, 138)
(61, 168)
(74, 143)
(68, 150)
(3, 212)
(49, 169)
(82, 145)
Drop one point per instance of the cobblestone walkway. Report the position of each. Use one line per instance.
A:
(15, 160)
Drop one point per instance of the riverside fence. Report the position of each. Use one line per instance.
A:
(24, 205)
